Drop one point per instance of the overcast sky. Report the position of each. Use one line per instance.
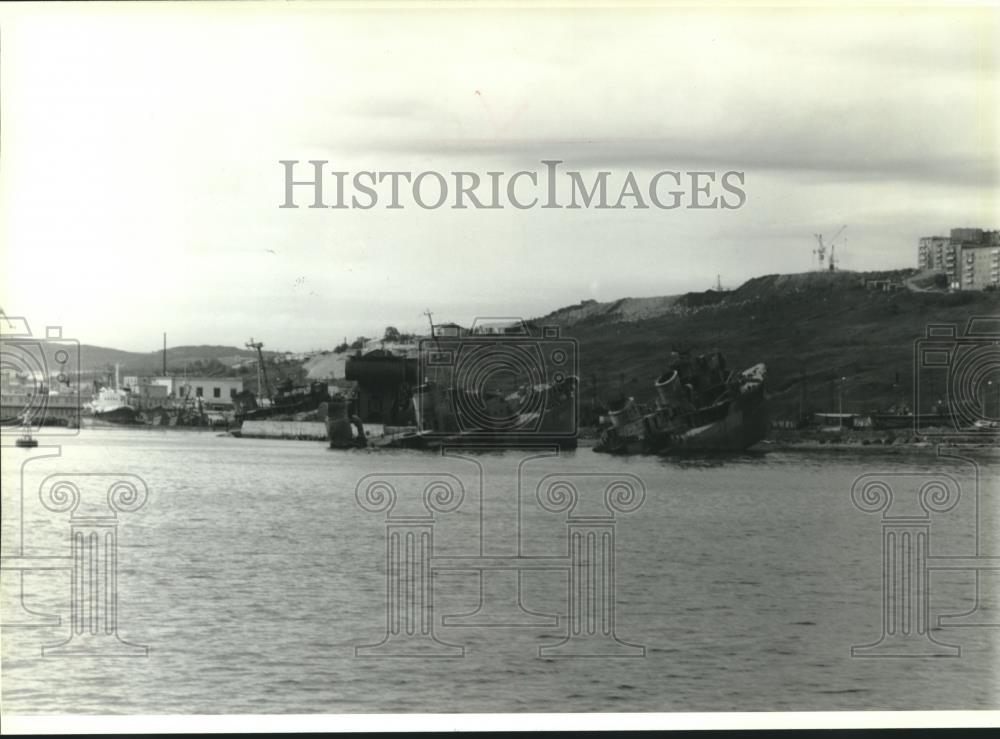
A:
(140, 184)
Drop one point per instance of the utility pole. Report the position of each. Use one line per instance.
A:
(164, 353)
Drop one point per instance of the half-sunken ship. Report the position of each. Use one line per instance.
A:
(498, 385)
(700, 406)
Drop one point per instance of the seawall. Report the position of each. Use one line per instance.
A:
(311, 430)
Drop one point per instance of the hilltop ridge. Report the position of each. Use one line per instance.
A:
(811, 329)
(100, 358)
(754, 289)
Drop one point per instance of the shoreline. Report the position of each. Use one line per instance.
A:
(899, 447)
(784, 440)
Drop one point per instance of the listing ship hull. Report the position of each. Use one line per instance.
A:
(681, 422)
(742, 424)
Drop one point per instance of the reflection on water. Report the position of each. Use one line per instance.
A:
(253, 574)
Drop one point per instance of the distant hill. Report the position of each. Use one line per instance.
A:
(100, 359)
(619, 310)
(810, 329)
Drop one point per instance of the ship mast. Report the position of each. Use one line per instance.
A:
(261, 369)
(430, 320)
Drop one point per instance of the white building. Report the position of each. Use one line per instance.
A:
(212, 390)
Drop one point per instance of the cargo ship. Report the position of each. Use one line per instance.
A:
(699, 407)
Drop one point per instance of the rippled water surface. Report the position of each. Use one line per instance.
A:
(252, 574)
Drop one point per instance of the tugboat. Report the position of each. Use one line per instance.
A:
(112, 407)
(699, 407)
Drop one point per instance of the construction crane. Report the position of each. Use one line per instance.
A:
(262, 384)
(820, 250)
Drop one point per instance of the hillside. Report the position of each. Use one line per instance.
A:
(810, 329)
(100, 359)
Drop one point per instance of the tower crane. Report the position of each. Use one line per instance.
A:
(820, 250)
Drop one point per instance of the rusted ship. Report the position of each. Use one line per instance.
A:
(501, 383)
(287, 401)
(700, 406)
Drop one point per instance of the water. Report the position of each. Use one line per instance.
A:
(252, 574)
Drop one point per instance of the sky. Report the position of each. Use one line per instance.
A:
(140, 147)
